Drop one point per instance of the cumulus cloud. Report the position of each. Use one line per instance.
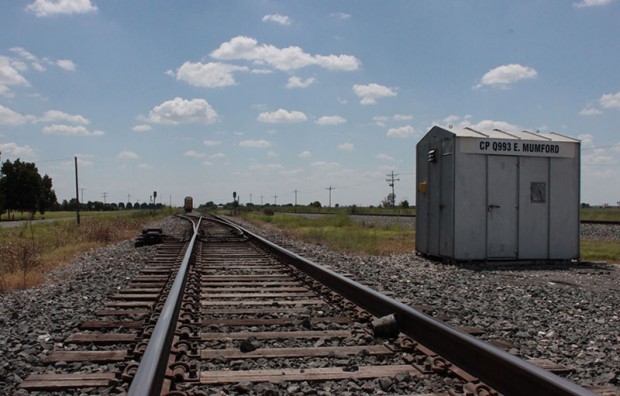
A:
(10, 75)
(590, 111)
(324, 165)
(126, 154)
(286, 59)
(591, 3)
(296, 82)
(277, 18)
(610, 101)
(142, 128)
(217, 156)
(305, 154)
(181, 111)
(59, 116)
(255, 143)
(10, 117)
(371, 92)
(208, 75)
(401, 132)
(14, 150)
(211, 143)
(44, 8)
(194, 154)
(502, 76)
(489, 125)
(346, 147)
(331, 120)
(340, 15)
(66, 64)
(282, 116)
(382, 120)
(70, 130)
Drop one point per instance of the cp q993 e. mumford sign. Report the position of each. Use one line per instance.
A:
(529, 148)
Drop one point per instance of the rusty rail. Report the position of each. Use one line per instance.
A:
(150, 374)
(508, 374)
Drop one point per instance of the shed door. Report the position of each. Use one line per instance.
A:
(501, 206)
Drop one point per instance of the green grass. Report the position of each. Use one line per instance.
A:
(600, 251)
(600, 214)
(341, 233)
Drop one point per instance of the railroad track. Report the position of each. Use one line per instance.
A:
(230, 312)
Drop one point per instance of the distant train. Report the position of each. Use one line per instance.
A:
(188, 205)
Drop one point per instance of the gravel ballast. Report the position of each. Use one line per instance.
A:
(568, 314)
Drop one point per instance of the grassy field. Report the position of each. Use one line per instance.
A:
(341, 233)
(33, 249)
(600, 214)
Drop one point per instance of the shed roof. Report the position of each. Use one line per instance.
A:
(515, 135)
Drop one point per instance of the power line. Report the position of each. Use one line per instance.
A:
(391, 179)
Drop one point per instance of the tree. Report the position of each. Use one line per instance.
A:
(388, 201)
(23, 189)
(404, 204)
(315, 204)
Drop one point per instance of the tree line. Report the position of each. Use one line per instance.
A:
(23, 189)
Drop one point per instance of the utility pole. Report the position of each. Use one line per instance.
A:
(275, 200)
(391, 179)
(105, 195)
(82, 194)
(295, 207)
(330, 188)
(77, 197)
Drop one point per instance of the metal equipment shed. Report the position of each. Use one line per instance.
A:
(497, 196)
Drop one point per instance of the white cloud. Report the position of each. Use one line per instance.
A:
(591, 3)
(305, 154)
(10, 76)
(126, 154)
(145, 166)
(217, 156)
(289, 58)
(142, 128)
(331, 120)
(56, 116)
(401, 132)
(194, 154)
(384, 157)
(209, 75)
(43, 8)
(14, 150)
(66, 64)
(10, 117)
(69, 130)
(181, 111)
(371, 92)
(211, 143)
(502, 76)
(340, 15)
(277, 18)
(589, 111)
(255, 143)
(489, 125)
(282, 116)
(296, 82)
(346, 147)
(382, 120)
(610, 101)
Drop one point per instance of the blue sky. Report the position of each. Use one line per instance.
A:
(204, 98)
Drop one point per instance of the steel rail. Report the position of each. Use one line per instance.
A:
(149, 377)
(506, 373)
